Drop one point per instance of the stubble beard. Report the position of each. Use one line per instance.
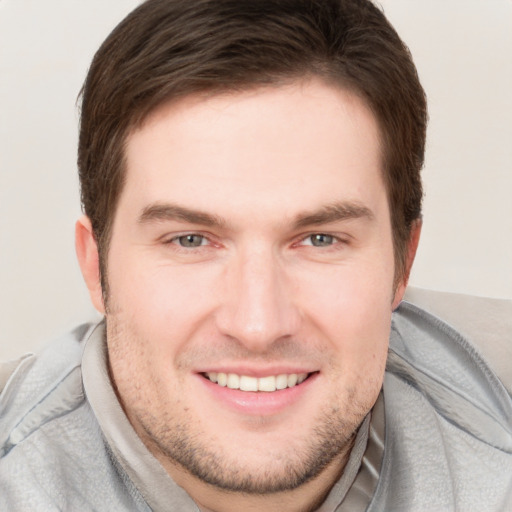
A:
(288, 469)
(184, 444)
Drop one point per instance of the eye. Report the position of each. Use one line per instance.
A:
(191, 240)
(320, 240)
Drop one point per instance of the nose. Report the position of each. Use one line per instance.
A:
(258, 307)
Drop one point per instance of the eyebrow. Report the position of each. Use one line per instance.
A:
(168, 212)
(333, 213)
(327, 214)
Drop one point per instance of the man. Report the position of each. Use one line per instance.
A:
(250, 181)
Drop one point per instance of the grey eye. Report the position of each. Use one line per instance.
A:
(321, 240)
(190, 240)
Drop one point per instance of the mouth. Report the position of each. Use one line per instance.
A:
(266, 384)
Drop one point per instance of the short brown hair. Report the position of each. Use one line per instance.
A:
(167, 49)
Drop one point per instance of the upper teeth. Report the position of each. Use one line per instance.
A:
(246, 383)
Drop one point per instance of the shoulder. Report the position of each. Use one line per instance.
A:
(439, 362)
(40, 392)
(34, 381)
(486, 323)
(39, 387)
(447, 368)
(52, 454)
(448, 420)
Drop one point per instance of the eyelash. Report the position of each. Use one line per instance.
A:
(206, 241)
(175, 241)
(333, 240)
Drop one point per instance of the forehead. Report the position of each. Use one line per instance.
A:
(285, 146)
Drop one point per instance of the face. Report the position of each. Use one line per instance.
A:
(251, 283)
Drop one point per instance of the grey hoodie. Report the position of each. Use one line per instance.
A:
(439, 438)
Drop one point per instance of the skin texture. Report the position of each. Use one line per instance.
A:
(257, 176)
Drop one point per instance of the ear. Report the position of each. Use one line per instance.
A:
(89, 261)
(412, 246)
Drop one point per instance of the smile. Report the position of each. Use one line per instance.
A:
(247, 383)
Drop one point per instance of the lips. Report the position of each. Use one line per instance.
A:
(267, 384)
(255, 392)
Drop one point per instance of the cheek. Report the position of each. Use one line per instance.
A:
(351, 307)
(164, 304)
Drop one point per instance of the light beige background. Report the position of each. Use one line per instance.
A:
(463, 50)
